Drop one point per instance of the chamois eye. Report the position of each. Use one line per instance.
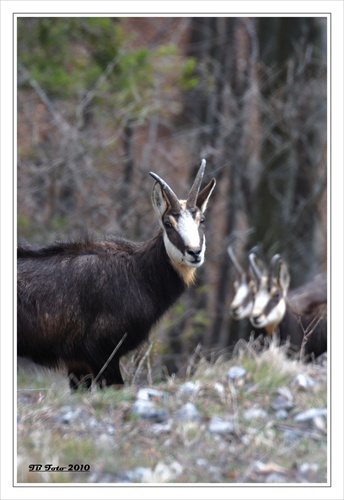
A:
(167, 224)
(202, 219)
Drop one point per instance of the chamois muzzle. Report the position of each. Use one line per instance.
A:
(195, 253)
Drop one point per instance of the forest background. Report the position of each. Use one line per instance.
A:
(102, 101)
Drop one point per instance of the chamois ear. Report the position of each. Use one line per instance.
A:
(163, 197)
(283, 276)
(159, 201)
(204, 195)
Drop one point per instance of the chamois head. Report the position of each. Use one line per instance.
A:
(270, 300)
(182, 220)
(244, 288)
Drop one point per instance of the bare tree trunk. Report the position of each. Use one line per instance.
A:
(224, 43)
(129, 165)
(289, 189)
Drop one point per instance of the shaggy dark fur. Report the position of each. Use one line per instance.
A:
(293, 328)
(77, 300)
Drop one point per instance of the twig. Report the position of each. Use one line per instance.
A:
(109, 358)
(192, 361)
(64, 126)
(141, 362)
(310, 329)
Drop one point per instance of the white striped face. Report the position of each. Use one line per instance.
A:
(184, 236)
(182, 225)
(242, 302)
(269, 306)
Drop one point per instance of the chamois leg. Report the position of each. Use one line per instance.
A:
(79, 376)
(110, 376)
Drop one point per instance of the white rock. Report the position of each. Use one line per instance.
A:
(307, 468)
(146, 409)
(236, 372)
(304, 381)
(141, 406)
(189, 387)
(165, 473)
(188, 412)
(146, 393)
(310, 414)
(140, 474)
(165, 427)
(219, 426)
(255, 413)
(219, 388)
(281, 414)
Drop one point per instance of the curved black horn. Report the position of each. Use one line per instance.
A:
(234, 260)
(192, 198)
(170, 194)
(252, 258)
(275, 259)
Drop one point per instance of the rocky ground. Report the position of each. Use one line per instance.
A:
(257, 418)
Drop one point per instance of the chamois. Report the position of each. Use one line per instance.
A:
(86, 304)
(273, 312)
(244, 293)
(244, 290)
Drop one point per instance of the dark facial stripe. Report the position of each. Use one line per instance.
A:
(273, 302)
(177, 240)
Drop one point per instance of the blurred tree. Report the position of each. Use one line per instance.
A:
(293, 176)
(90, 83)
(221, 103)
(261, 104)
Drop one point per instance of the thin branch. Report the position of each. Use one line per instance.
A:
(109, 358)
(310, 329)
(65, 127)
(139, 368)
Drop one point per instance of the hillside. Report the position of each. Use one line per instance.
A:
(258, 418)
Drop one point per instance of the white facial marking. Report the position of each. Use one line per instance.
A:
(172, 251)
(187, 227)
(274, 317)
(238, 310)
(180, 258)
(188, 230)
(240, 295)
(260, 302)
(276, 314)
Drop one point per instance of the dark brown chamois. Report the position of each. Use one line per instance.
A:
(78, 302)
(273, 312)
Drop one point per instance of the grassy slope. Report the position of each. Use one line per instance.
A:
(98, 428)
